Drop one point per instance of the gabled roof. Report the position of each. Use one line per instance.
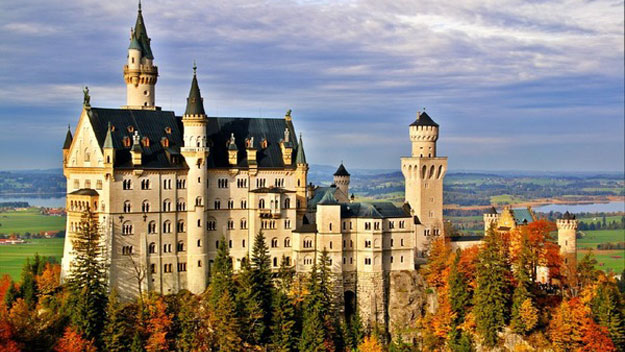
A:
(151, 123)
(68, 139)
(328, 199)
(219, 130)
(423, 119)
(341, 171)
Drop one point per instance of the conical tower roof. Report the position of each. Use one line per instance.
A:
(423, 119)
(141, 34)
(341, 171)
(108, 140)
(68, 138)
(300, 158)
(195, 104)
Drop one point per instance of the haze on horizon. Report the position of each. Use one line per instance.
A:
(515, 85)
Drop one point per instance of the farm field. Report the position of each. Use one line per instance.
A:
(13, 257)
(607, 259)
(29, 220)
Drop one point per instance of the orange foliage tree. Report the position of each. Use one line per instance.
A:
(439, 260)
(572, 328)
(370, 344)
(543, 251)
(49, 280)
(73, 341)
(158, 324)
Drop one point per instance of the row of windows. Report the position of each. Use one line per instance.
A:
(87, 184)
(376, 243)
(146, 184)
(168, 268)
(368, 261)
(377, 225)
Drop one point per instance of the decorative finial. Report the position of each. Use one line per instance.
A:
(86, 98)
(139, 5)
(69, 127)
(136, 138)
(288, 113)
(424, 109)
(194, 68)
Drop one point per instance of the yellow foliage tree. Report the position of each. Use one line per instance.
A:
(370, 344)
(529, 314)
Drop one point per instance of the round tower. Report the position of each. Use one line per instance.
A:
(423, 135)
(567, 237)
(195, 152)
(341, 179)
(140, 74)
(490, 219)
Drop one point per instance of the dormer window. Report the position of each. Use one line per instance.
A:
(131, 129)
(127, 142)
(112, 128)
(263, 143)
(165, 142)
(145, 141)
(248, 143)
(168, 130)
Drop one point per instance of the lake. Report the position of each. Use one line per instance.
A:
(48, 202)
(582, 208)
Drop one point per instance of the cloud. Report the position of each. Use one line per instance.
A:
(489, 72)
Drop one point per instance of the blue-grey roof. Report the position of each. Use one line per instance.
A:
(375, 210)
(151, 124)
(219, 129)
(424, 120)
(68, 139)
(328, 199)
(320, 193)
(522, 216)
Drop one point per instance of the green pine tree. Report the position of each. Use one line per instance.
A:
(28, 286)
(137, 343)
(249, 306)
(313, 325)
(459, 294)
(117, 332)
(11, 295)
(87, 281)
(608, 310)
(221, 274)
(262, 286)
(491, 294)
(354, 331)
(522, 291)
(284, 334)
(227, 324)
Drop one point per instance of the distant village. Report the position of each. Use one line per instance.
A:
(18, 238)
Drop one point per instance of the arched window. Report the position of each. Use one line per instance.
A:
(152, 227)
(308, 243)
(243, 223)
(287, 203)
(274, 242)
(330, 226)
(217, 204)
(167, 226)
(261, 204)
(145, 206)
(127, 206)
(181, 205)
(181, 226)
(127, 184)
(424, 169)
(212, 224)
(287, 242)
(87, 155)
(152, 248)
(275, 261)
(127, 228)
(198, 202)
(180, 246)
(166, 205)
(243, 204)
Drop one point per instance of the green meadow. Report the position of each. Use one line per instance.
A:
(607, 259)
(13, 257)
(29, 220)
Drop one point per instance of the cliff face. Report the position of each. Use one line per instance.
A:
(406, 304)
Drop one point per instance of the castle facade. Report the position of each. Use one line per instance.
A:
(166, 189)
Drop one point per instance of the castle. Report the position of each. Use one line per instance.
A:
(167, 188)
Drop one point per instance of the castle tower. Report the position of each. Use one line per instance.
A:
(424, 172)
(341, 179)
(195, 152)
(301, 174)
(567, 238)
(140, 73)
(490, 219)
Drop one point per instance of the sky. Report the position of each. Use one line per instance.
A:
(514, 85)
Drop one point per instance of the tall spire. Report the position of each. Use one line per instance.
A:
(301, 156)
(195, 103)
(108, 140)
(141, 34)
(68, 138)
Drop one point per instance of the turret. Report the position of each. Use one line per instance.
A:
(341, 179)
(108, 148)
(301, 173)
(490, 219)
(67, 144)
(423, 135)
(195, 152)
(567, 237)
(140, 73)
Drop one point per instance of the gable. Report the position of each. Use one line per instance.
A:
(85, 150)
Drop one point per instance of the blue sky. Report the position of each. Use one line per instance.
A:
(523, 85)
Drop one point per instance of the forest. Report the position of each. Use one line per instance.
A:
(484, 297)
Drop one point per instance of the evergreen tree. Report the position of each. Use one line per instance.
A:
(354, 331)
(284, 337)
(491, 293)
(607, 308)
(137, 343)
(262, 286)
(116, 334)
(11, 295)
(249, 307)
(221, 274)
(28, 286)
(522, 270)
(459, 299)
(227, 325)
(87, 281)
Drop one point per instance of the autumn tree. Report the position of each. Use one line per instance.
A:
(284, 321)
(459, 299)
(87, 281)
(608, 309)
(491, 294)
(73, 341)
(439, 257)
(523, 320)
(158, 324)
(370, 344)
